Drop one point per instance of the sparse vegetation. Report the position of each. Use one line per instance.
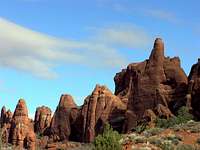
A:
(152, 132)
(167, 145)
(185, 147)
(183, 117)
(109, 140)
(140, 128)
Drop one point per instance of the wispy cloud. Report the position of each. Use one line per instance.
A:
(38, 54)
(129, 36)
(161, 14)
(146, 11)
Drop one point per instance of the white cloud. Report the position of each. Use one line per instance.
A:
(33, 52)
(128, 35)
(161, 14)
(146, 11)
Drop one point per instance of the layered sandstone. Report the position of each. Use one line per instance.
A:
(193, 95)
(63, 118)
(158, 80)
(98, 108)
(21, 132)
(42, 119)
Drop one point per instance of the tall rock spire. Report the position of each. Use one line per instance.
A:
(157, 53)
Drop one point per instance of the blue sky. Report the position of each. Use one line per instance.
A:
(51, 47)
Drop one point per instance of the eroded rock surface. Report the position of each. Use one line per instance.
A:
(193, 96)
(21, 132)
(100, 107)
(42, 119)
(63, 118)
(144, 85)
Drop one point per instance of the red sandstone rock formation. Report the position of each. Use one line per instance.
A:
(6, 117)
(63, 118)
(158, 80)
(42, 119)
(5, 123)
(193, 96)
(98, 108)
(21, 133)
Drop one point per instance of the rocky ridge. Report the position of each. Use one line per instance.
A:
(155, 87)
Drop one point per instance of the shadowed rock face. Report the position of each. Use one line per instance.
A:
(5, 123)
(194, 89)
(42, 119)
(21, 132)
(6, 117)
(158, 80)
(63, 118)
(99, 107)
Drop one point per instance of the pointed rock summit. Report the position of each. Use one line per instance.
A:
(42, 119)
(21, 133)
(158, 50)
(100, 107)
(63, 118)
(157, 81)
(67, 101)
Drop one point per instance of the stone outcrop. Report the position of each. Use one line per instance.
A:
(42, 119)
(6, 117)
(144, 85)
(193, 96)
(5, 123)
(21, 133)
(100, 107)
(63, 118)
(156, 87)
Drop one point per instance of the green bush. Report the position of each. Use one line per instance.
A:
(183, 117)
(109, 140)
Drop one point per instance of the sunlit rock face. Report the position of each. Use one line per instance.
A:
(42, 119)
(144, 85)
(63, 118)
(21, 133)
(100, 107)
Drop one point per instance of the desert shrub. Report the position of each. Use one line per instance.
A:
(167, 145)
(155, 141)
(152, 132)
(174, 139)
(109, 140)
(182, 117)
(140, 139)
(185, 147)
